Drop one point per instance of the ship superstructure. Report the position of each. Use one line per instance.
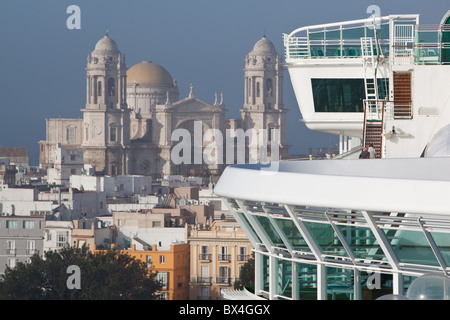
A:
(350, 228)
(382, 79)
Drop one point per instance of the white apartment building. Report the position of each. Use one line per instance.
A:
(124, 185)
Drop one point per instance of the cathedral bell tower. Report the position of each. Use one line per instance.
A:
(106, 118)
(263, 94)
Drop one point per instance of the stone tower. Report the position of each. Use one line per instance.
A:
(263, 96)
(106, 118)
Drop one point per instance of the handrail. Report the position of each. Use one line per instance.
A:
(421, 48)
(391, 108)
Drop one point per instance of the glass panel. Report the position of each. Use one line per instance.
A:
(249, 227)
(325, 237)
(266, 276)
(369, 32)
(375, 285)
(293, 235)
(307, 281)
(270, 231)
(411, 247)
(353, 33)
(407, 280)
(317, 50)
(333, 51)
(333, 35)
(318, 35)
(340, 284)
(284, 278)
(442, 241)
(338, 95)
(362, 242)
(383, 88)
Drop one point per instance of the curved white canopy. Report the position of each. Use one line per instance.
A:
(410, 185)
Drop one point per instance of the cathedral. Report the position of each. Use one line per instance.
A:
(131, 114)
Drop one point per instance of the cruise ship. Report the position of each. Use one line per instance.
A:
(349, 228)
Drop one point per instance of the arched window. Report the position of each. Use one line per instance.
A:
(269, 87)
(99, 88)
(113, 133)
(111, 87)
(70, 134)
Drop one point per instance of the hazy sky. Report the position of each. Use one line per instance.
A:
(203, 42)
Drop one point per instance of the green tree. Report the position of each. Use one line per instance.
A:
(107, 275)
(247, 275)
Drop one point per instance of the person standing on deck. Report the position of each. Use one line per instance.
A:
(371, 151)
(364, 153)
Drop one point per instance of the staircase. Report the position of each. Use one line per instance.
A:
(373, 108)
(373, 131)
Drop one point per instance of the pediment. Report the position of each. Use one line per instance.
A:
(192, 105)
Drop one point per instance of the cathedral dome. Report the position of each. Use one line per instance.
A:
(106, 44)
(264, 46)
(149, 73)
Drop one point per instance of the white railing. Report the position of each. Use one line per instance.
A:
(335, 40)
(403, 44)
(400, 37)
(374, 110)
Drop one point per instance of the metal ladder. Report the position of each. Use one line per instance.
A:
(373, 116)
(370, 83)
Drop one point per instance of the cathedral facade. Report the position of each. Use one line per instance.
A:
(131, 115)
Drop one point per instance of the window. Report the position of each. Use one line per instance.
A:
(269, 87)
(338, 95)
(31, 247)
(99, 89)
(28, 224)
(163, 278)
(73, 157)
(11, 224)
(149, 261)
(223, 256)
(242, 256)
(113, 134)
(61, 239)
(73, 171)
(70, 134)
(162, 259)
(161, 295)
(204, 293)
(223, 275)
(258, 89)
(10, 247)
(111, 88)
(156, 224)
(204, 255)
(343, 95)
(11, 262)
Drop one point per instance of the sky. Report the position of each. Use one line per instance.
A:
(203, 42)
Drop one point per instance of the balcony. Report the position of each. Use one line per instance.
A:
(224, 257)
(31, 251)
(223, 280)
(242, 257)
(202, 280)
(11, 251)
(204, 257)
